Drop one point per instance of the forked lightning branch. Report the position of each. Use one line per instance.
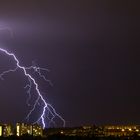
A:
(48, 111)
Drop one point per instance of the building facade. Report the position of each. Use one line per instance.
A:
(23, 129)
(5, 130)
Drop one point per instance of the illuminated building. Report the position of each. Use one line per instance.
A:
(37, 130)
(23, 129)
(0, 130)
(5, 130)
(121, 130)
(34, 130)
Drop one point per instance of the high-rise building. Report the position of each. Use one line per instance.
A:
(37, 130)
(34, 130)
(5, 130)
(0, 130)
(23, 129)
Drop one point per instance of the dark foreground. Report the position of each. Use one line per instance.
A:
(61, 137)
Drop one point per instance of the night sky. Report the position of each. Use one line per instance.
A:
(92, 49)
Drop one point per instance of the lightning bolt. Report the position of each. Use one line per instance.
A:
(47, 108)
(48, 111)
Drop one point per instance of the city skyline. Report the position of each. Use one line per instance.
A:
(92, 131)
